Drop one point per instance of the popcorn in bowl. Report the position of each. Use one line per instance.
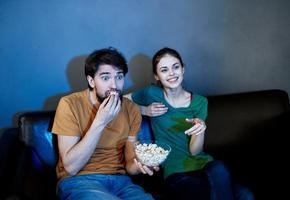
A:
(152, 154)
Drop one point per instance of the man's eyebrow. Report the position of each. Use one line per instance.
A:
(108, 73)
(104, 73)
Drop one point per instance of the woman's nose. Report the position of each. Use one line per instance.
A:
(171, 72)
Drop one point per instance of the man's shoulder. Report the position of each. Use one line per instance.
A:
(75, 95)
(127, 103)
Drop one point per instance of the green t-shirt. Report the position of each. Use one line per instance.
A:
(169, 128)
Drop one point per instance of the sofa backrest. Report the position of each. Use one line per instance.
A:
(235, 119)
(248, 131)
(237, 125)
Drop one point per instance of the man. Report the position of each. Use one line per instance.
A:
(96, 131)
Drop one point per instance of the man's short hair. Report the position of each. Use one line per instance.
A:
(107, 56)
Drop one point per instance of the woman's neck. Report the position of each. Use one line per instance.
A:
(177, 97)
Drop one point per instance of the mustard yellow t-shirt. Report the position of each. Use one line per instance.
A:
(73, 117)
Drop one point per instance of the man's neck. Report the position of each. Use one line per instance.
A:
(92, 97)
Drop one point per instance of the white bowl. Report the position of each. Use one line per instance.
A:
(152, 154)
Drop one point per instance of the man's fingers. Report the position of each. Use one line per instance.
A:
(148, 171)
(156, 168)
(109, 102)
(139, 165)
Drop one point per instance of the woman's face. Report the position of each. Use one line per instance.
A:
(169, 72)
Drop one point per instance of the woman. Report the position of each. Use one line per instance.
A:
(178, 119)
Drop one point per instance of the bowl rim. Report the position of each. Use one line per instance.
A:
(153, 142)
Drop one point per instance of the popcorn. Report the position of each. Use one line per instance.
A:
(112, 92)
(151, 154)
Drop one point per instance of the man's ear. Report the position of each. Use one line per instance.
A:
(91, 81)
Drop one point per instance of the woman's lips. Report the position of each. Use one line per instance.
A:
(172, 79)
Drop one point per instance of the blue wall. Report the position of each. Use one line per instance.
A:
(228, 46)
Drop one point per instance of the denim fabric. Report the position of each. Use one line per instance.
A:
(243, 193)
(220, 181)
(100, 186)
(221, 185)
(189, 185)
(213, 182)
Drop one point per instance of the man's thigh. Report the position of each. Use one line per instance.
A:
(124, 188)
(84, 187)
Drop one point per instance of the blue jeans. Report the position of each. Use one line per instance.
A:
(213, 182)
(100, 186)
(221, 185)
(189, 185)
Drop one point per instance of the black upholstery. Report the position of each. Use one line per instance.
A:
(249, 132)
(36, 171)
(246, 130)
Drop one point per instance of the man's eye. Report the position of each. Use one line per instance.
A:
(105, 78)
(120, 77)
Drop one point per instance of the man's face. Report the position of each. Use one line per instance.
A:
(107, 78)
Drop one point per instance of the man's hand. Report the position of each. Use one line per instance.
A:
(145, 169)
(109, 108)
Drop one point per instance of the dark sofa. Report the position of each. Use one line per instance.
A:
(246, 130)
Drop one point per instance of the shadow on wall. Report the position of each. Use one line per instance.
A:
(140, 72)
(76, 79)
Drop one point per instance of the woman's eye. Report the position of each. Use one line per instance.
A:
(163, 70)
(176, 66)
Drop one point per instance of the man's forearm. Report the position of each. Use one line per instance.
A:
(79, 154)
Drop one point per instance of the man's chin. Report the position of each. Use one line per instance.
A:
(101, 99)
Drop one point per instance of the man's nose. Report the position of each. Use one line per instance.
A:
(113, 84)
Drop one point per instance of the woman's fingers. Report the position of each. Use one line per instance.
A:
(158, 109)
(198, 127)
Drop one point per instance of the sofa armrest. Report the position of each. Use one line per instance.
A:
(36, 176)
(10, 150)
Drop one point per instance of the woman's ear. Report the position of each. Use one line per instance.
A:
(156, 77)
(91, 81)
